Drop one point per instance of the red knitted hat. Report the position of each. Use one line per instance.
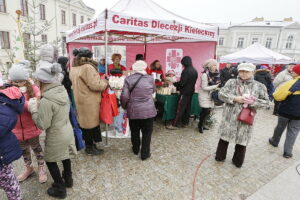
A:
(296, 69)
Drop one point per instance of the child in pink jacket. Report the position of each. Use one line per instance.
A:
(26, 131)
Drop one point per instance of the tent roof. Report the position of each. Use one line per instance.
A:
(258, 54)
(144, 17)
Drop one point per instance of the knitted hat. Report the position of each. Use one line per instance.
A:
(48, 73)
(296, 69)
(18, 72)
(1, 80)
(246, 67)
(139, 66)
(263, 67)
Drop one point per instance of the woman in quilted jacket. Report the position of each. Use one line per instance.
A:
(25, 129)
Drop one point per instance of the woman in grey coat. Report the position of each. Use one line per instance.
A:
(137, 99)
(243, 91)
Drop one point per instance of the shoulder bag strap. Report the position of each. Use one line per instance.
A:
(131, 89)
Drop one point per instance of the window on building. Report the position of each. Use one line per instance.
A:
(4, 40)
(240, 43)
(269, 43)
(26, 40)
(63, 17)
(42, 12)
(221, 41)
(44, 39)
(74, 19)
(289, 42)
(89, 19)
(82, 19)
(254, 40)
(2, 6)
(24, 7)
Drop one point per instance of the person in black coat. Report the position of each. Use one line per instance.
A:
(229, 72)
(186, 86)
(263, 76)
(63, 61)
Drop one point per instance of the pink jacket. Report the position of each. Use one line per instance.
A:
(25, 128)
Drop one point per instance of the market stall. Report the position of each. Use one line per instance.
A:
(143, 27)
(170, 105)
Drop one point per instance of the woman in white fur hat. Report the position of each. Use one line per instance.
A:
(238, 93)
(137, 99)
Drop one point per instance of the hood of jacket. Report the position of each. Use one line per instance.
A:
(49, 53)
(262, 71)
(13, 97)
(56, 93)
(187, 61)
(78, 61)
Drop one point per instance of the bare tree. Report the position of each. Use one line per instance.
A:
(33, 28)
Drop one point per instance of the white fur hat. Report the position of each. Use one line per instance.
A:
(139, 66)
(246, 67)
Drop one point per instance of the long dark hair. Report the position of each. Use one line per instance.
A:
(152, 66)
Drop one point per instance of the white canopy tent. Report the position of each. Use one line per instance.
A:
(258, 54)
(141, 21)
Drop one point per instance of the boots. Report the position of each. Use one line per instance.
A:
(92, 150)
(68, 179)
(57, 190)
(42, 174)
(28, 172)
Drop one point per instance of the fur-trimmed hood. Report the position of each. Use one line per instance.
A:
(78, 61)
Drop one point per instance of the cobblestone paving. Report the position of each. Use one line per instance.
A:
(168, 175)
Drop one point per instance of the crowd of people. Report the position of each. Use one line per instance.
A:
(30, 105)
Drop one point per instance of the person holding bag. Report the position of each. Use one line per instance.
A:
(136, 98)
(210, 81)
(242, 96)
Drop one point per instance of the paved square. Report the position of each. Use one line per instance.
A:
(168, 174)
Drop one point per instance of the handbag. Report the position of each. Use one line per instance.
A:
(131, 89)
(247, 114)
(215, 97)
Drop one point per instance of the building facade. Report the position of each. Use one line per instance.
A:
(280, 36)
(62, 15)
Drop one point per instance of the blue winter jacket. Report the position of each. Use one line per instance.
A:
(9, 145)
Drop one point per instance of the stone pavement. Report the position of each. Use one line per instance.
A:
(168, 175)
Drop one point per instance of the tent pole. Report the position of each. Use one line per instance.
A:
(106, 70)
(145, 46)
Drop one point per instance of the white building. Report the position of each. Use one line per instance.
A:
(63, 14)
(280, 36)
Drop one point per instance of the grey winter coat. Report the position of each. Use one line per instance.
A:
(232, 130)
(53, 117)
(140, 103)
(282, 77)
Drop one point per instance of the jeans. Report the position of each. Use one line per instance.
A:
(293, 128)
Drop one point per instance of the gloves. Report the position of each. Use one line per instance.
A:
(33, 105)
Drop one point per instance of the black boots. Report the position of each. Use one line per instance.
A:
(92, 150)
(68, 179)
(57, 190)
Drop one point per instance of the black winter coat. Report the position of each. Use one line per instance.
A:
(188, 77)
(228, 73)
(264, 77)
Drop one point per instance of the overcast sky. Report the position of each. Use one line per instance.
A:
(221, 11)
